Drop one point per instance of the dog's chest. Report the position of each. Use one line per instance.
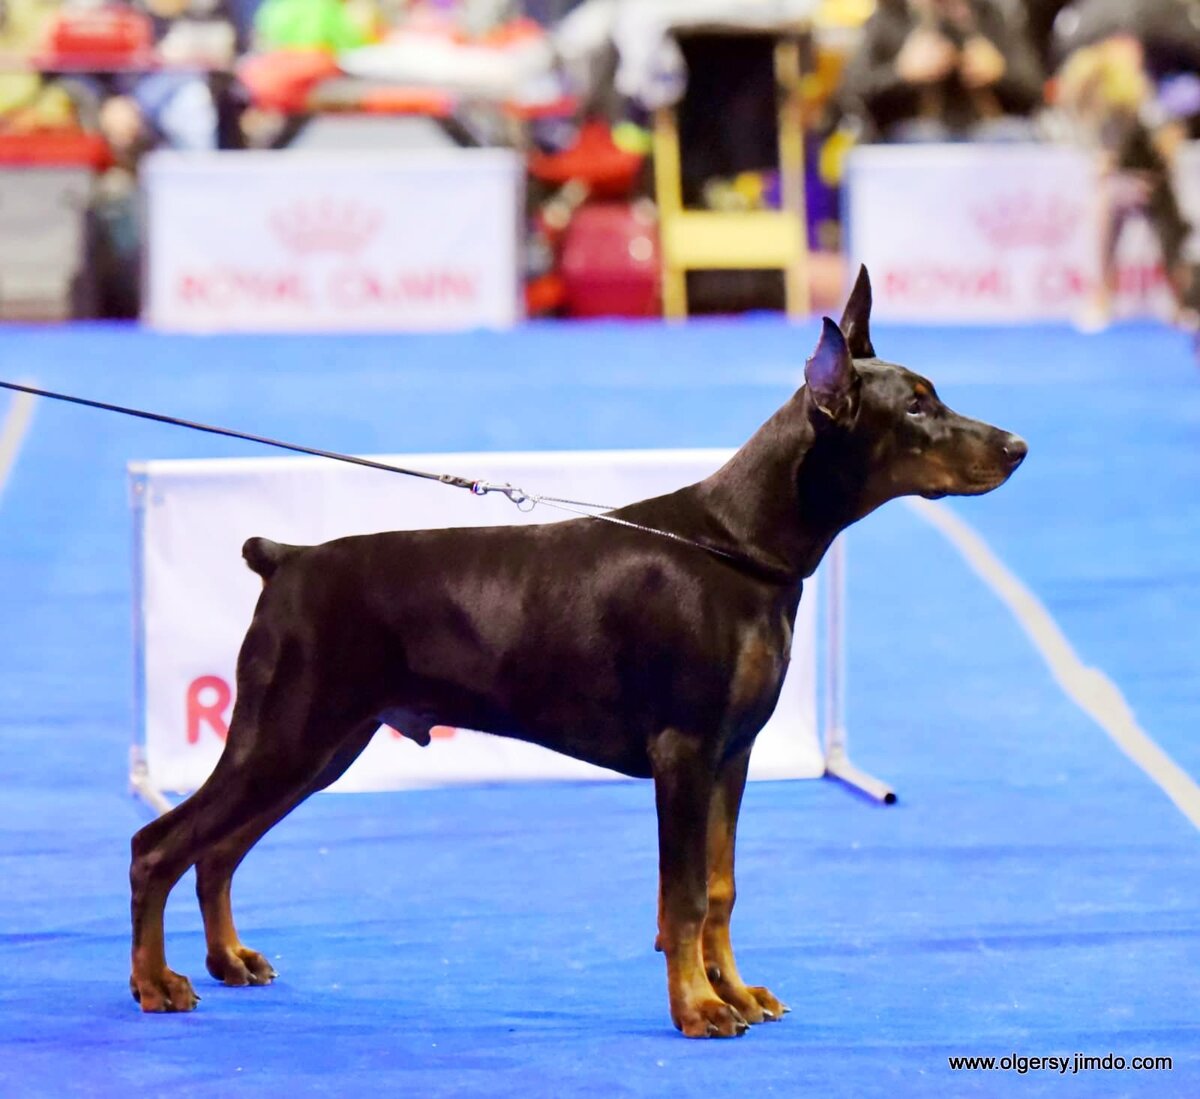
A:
(759, 667)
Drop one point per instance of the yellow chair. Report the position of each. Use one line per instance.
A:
(699, 240)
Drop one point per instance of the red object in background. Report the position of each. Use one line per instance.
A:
(108, 37)
(514, 32)
(281, 80)
(55, 148)
(609, 171)
(544, 295)
(566, 106)
(402, 101)
(610, 262)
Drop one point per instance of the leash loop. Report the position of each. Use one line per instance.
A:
(517, 496)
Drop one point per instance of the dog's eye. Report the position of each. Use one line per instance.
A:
(918, 405)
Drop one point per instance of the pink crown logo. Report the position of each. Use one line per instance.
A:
(325, 225)
(1027, 221)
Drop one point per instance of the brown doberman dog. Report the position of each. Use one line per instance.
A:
(659, 657)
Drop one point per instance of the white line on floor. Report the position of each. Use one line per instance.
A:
(12, 433)
(1089, 688)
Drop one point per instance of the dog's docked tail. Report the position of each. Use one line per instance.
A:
(265, 556)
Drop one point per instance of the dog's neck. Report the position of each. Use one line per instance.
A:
(788, 492)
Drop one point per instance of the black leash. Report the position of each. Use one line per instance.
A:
(525, 501)
(480, 488)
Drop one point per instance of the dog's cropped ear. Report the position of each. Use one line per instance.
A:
(830, 375)
(856, 320)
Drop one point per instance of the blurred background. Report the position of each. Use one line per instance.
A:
(476, 162)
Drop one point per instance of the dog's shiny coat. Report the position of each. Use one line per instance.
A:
(647, 655)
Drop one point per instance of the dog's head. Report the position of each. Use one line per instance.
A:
(889, 422)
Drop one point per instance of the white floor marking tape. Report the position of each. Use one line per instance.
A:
(1089, 688)
(12, 433)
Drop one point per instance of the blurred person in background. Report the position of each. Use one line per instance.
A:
(943, 70)
(1040, 17)
(1106, 98)
(165, 99)
(168, 101)
(1168, 32)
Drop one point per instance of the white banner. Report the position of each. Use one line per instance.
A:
(194, 597)
(308, 241)
(980, 233)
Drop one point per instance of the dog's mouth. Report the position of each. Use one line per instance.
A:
(984, 470)
(975, 482)
(978, 482)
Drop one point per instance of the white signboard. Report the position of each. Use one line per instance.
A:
(981, 233)
(194, 597)
(312, 241)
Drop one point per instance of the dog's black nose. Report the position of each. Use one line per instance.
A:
(1015, 450)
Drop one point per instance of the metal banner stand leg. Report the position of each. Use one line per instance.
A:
(140, 784)
(837, 760)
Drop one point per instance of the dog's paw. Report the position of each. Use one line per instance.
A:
(773, 1008)
(166, 991)
(710, 1019)
(755, 1004)
(239, 966)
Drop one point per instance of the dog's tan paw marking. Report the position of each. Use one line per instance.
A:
(755, 1004)
(240, 966)
(773, 1008)
(742, 1000)
(164, 992)
(711, 1019)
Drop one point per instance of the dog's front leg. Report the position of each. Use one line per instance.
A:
(757, 1004)
(683, 786)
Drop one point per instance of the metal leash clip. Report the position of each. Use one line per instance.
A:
(517, 496)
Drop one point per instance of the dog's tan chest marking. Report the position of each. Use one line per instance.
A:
(756, 672)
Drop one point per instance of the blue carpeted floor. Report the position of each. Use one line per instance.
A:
(1033, 893)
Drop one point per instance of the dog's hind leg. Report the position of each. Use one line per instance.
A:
(228, 960)
(757, 1004)
(151, 877)
(280, 741)
(162, 853)
(683, 786)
